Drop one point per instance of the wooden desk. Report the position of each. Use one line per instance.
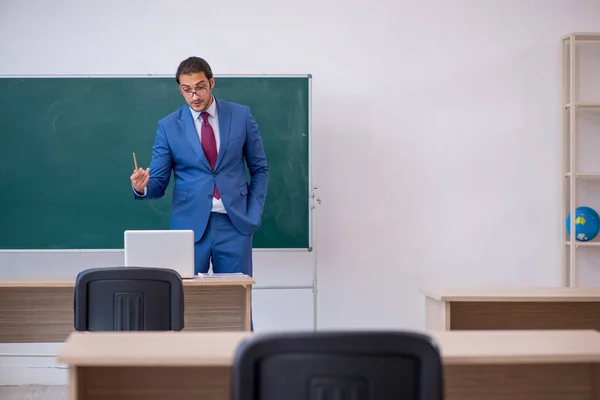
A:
(38, 310)
(478, 365)
(512, 308)
(521, 365)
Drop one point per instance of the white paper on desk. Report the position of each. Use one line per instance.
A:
(222, 276)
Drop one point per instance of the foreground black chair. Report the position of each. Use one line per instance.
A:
(129, 299)
(338, 365)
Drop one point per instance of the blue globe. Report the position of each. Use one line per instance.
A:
(587, 224)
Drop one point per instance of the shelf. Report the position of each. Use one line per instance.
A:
(584, 175)
(587, 244)
(584, 105)
(583, 36)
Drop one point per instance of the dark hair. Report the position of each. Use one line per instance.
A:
(193, 65)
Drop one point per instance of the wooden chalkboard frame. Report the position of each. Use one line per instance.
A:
(312, 189)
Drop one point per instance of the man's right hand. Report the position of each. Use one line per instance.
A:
(139, 179)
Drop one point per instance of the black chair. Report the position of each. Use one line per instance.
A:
(338, 365)
(129, 299)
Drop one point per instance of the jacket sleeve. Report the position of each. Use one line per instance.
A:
(161, 166)
(256, 161)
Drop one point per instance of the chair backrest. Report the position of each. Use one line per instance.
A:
(338, 365)
(129, 299)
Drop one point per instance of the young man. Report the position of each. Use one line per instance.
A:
(205, 143)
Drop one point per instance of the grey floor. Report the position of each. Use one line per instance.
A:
(33, 393)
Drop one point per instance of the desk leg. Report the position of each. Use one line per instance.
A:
(595, 381)
(75, 383)
(247, 308)
(437, 315)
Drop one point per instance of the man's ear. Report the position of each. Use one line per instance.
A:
(211, 82)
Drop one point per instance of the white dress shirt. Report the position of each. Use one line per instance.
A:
(213, 120)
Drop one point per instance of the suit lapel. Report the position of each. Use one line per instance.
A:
(224, 130)
(187, 126)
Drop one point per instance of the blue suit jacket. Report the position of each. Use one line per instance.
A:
(177, 149)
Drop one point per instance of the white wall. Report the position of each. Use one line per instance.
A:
(437, 130)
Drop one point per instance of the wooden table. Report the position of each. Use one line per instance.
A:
(478, 365)
(39, 310)
(512, 308)
(521, 365)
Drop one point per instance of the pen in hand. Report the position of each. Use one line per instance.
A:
(139, 178)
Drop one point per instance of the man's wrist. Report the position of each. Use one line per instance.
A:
(141, 194)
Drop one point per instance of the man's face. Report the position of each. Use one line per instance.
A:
(196, 90)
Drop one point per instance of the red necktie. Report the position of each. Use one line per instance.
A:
(209, 145)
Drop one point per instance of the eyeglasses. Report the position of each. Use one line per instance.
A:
(199, 90)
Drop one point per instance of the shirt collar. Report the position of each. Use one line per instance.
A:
(212, 110)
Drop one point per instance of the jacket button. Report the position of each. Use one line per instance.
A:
(210, 196)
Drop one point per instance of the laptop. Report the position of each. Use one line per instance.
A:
(172, 249)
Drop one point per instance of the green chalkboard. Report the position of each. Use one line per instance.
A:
(66, 156)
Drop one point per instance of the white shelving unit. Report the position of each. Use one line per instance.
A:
(573, 173)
